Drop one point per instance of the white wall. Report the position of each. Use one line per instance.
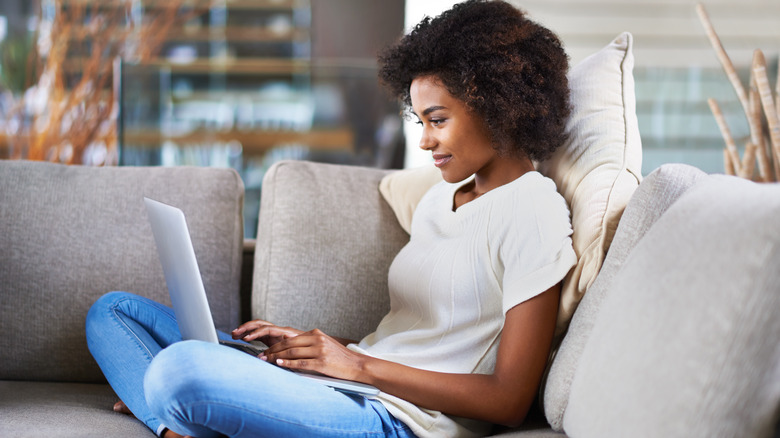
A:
(416, 10)
(667, 33)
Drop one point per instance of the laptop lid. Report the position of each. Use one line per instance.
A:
(182, 276)
(185, 286)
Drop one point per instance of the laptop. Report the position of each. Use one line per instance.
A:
(188, 295)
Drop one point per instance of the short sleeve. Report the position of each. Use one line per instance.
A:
(536, 250)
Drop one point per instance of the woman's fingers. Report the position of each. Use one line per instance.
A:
(294, 347)
(263, 331)
(248, 326)
(297, 358)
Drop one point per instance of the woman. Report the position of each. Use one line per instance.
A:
(474, 294)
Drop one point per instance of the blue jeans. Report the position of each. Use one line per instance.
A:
(207, 390)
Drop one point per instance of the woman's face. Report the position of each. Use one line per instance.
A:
(458, 139)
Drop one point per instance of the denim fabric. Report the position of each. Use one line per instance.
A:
(206, 390)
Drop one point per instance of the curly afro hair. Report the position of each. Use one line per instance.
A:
(507, 69)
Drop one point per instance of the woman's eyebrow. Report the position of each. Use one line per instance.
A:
(431, 109)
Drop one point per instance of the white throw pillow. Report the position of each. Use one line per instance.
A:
(596, 170)
(600, 166)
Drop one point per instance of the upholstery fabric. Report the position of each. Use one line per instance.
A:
(73, 233)
(63, 410)
(326, 239)
(600, 165)
(686, 341)
(650, 201)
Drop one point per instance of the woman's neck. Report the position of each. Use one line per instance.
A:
(501, 172)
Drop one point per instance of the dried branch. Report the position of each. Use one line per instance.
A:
(767, 101)
(757, 135)
(731, 146)
(753, 101)
(748, 165)
(728, 163)
(725, 61)
(83, 115)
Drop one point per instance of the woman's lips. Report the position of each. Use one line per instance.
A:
(440, 160)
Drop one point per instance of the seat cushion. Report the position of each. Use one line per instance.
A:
(63, 410)
(69, 234)
(685, 342)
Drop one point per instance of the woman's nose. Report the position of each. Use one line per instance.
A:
(426, 140)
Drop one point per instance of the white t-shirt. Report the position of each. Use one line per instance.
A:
(452, 284)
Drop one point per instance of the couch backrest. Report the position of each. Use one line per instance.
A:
(325, 241)
(72, 233)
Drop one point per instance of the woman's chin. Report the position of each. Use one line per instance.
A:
(452, 177)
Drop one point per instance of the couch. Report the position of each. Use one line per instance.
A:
(668, 325)
(676, 337)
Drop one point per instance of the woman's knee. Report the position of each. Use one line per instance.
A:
(105, 303)
(101, 311)
(174, 376)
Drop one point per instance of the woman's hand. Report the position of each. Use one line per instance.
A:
(318, 352)
(265, 332)
(305, 351)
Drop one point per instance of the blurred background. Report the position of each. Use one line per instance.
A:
(246, 83)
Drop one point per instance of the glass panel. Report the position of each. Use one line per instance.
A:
(675, 121)
(203, 82)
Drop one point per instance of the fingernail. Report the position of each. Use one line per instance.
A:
(279, 361)
(263, 357)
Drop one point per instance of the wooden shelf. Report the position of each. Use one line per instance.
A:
(257, 5)
(236, 65)
(247, 34)
(258, 66)
(253, 142)
(237, 34)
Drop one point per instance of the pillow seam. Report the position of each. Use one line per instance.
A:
(624, 167)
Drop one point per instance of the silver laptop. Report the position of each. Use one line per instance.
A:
(188, 295)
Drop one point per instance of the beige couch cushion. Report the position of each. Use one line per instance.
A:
(72, 233)
(686, 343)
(325, 241)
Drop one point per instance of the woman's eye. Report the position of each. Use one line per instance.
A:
(432, 122)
